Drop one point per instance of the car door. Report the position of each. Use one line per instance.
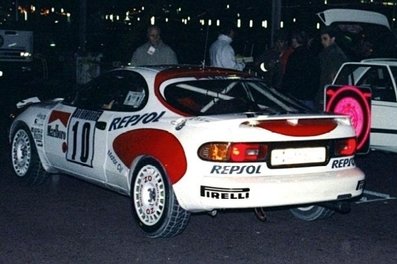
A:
(378, 77)
(76, 138)
(383, 107)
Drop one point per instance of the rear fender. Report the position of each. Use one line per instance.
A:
(158, 144)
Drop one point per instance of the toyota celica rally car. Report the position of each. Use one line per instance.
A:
(180, 140)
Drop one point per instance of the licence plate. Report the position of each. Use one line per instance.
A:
(291, 156)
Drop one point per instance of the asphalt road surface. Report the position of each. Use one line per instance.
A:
(67, 220)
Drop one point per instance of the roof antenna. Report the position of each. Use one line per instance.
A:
(205, 47)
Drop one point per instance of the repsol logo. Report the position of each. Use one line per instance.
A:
(343, 163)
(224, 193)
(122, 122)
(235, 169)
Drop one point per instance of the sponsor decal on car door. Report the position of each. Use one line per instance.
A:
(76, 142)
(81, 137)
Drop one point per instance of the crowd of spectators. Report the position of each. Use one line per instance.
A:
(292, 65)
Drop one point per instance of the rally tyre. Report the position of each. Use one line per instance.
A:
(312, 213)
(154, 204)
(25, 160)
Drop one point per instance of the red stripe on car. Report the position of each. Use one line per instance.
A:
(158, 144)
(299, 127)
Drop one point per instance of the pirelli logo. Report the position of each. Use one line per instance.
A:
(224, 193)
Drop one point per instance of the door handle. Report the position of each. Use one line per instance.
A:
(100, 125)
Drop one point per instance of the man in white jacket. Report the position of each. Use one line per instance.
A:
(222, 53)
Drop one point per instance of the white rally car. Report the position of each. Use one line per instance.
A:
(189, 139)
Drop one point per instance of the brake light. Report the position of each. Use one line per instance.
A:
(233, 152)
(346, 147)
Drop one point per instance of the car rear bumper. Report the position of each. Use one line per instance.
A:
(268, 191)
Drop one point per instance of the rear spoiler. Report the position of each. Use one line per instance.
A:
(28, 101)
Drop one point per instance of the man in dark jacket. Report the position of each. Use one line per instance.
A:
(301, 78)
(331, 58)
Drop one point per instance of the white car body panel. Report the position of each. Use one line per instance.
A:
(382, 116)
(331, 16)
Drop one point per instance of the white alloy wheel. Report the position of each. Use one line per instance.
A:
(149, 195)
(155, 207)
(21, 152)
(25, 160)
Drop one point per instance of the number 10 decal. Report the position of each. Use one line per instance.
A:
(81, 135)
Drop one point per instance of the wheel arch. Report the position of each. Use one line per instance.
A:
(40, 149)
(133, 146)
(14, 126)
(135, 164)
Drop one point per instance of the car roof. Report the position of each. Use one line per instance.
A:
(376, 61)
(331, 16)
(166, 72)
(388, 61)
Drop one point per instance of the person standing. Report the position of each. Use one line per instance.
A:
(331, 58)
(222, 53)
(301, 78)
(271, 63)
(155, 51)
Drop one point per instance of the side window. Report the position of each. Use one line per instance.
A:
(129, 92)
(347, 75)
(378, 79)
(115, 91)
(93, 95)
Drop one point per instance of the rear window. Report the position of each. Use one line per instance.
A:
(212, 97)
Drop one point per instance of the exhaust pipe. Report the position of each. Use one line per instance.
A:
(339, 206)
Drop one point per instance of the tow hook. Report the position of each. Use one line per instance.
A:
(260, 214)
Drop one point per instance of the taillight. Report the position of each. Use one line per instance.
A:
(345, 147)
(214, 151)
(233, 152)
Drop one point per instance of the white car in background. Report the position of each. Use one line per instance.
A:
(365, 88)
(367, 91)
